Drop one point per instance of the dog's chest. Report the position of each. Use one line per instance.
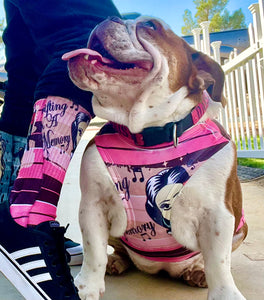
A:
(149, 179)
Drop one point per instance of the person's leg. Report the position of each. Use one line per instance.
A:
(19, 145)
(35, 260)
(26, 61)
(6, 160)
(11, 151)
(66, 17)
(23, 71)
(19, 94)
(50, 146)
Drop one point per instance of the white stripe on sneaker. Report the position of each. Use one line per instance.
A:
(25, 252)
(34, 265)
(20, 279)
(41, 277)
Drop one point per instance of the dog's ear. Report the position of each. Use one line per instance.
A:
(210, 74)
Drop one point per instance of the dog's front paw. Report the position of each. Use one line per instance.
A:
(89, 290)
(117, 264)
(195, 277)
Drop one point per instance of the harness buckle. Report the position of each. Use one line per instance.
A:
(175, 138)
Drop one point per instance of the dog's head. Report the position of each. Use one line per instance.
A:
(142, 74)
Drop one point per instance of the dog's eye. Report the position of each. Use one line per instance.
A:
(150, 24)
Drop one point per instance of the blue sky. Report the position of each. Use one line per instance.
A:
(171, 11)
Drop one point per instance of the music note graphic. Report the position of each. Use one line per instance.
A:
(143, 236)
(137, 170)
(62, 149)
(73, 105)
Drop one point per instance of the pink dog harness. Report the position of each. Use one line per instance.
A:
(149, 178)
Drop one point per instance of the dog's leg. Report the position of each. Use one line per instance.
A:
(215, 238)
(101, 214)
(210, 230)
(184, 226)
(98, 218)
(94, 228)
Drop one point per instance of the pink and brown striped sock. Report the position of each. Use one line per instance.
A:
(56, 129)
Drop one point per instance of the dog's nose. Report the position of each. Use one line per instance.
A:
(116, 19)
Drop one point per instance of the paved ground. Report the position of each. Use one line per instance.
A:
(248, 173)
(247, 260)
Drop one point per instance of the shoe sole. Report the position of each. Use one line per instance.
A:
(76, 255)
(76, 260)
(21, 280)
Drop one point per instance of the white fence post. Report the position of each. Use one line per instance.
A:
(251, 34)
(261, 15)
(261, 59)
(206, 38)
(257, 68)
(243, 117)
(216, 50)
(254, 9)
(196, 36)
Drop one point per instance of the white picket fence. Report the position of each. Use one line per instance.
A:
(243, 116)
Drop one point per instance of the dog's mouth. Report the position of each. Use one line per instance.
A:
(96, 56)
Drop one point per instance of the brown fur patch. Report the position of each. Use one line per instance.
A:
(174, 49)
(233, 199)
(187, 67)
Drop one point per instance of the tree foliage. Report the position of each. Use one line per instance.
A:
(214, 11)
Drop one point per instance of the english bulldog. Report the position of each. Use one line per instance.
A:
(159, 182)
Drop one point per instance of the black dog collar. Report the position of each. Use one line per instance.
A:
(156, 135)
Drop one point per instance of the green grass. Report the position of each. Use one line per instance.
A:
(251, 162)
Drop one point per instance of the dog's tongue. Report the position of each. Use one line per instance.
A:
(88, 52)
(94, 56)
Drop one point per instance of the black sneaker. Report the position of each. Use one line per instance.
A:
(34, 260)
(74, 252)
